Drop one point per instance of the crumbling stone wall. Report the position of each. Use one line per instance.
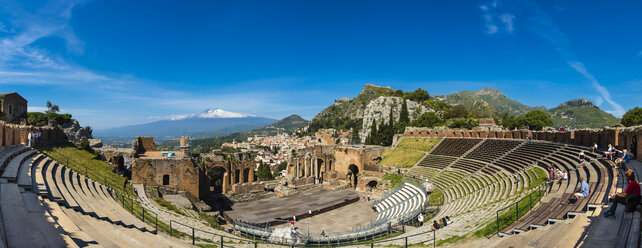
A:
(11, 135)
(247, 188)
(143, 144)
(182, 173)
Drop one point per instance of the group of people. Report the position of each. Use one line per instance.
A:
(443, 222)
(33, 138)
(620, 157)
(556, 174)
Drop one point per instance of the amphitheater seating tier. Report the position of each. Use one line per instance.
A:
(492, 149)
(437, 162)
(41, 198)
(454, 147)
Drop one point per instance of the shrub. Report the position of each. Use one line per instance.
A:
(633, 117)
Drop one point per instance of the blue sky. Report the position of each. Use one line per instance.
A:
(114, 63)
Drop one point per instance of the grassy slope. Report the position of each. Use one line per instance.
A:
(408, 152)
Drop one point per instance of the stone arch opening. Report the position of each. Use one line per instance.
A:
(372, 185)
(246, 175)
(165, 179)
(353, 173)
(237, 176)
(217, 178)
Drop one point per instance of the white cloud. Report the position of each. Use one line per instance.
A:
(495, 17)
(544, 26)
(507, 19)
(598, 100)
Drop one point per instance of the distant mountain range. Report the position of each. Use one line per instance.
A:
(485, 103)
(286, 125)
(211, 122)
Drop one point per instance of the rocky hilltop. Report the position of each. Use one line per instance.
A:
(487, 102)
(374, 104)
(581, 113)
(75, 133)
(378, 111)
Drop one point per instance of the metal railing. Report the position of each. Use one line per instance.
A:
(196, 236)
(527, 203)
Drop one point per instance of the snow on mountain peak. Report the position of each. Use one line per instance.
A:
(209, 114)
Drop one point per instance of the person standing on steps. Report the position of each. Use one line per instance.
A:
(29, 136)
(420, 218)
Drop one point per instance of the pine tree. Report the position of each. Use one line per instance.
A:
(404, 116)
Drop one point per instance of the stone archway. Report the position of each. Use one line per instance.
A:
(353, 175)
(219, 179)
(246, 175)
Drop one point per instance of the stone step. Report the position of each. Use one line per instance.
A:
(19, 224)
(10, 172)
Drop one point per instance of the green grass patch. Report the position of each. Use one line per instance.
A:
(540, 177)
(450, 240)
(213, 221)
(418, 144)
(408, 152)
(401, 157)
(169, 206)
(394, 179)
(435, 198)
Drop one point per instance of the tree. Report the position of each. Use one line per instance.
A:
(456, 111)
(633, 117)
(52, 108)
(264, 173)
(536, 120)
(418, 95)
(355, 136)
(404, 116)
(283, 166)
(467, 123)
(428, 119)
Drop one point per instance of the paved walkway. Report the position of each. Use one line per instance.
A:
(338, 220)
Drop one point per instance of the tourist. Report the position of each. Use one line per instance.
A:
(421, 220)
(583, 191)
(368, 197)
(441, 223)
(29, 137)
(550, 173)
(516, 179)
(310, 213)
(582, 157)
(447, 219)
(293, 218)
(624, 159)
(609, 153)
(322, 233)
(435, 226)
(565, 177)
(444, 221)
(630, 197)
(594, 148)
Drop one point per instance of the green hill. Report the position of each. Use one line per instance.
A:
(487, 102)
(347, 113)
(581, 113)
(286, 125)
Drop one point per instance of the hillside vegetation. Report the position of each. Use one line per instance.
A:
(408, 152)
(581, 113)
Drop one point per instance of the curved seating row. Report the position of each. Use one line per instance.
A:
(44, 199)
(558, 204)
(492, 149)
(437, 162)
(454, 147)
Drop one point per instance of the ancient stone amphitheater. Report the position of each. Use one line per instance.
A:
(46, 204)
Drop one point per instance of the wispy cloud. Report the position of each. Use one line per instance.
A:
(496, 19)
(544, 26)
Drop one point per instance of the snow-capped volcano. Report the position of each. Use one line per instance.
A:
(209, 114)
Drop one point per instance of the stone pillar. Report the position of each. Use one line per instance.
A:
(226, 182)
(251, 175)
(296, 161)
(316, 167)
